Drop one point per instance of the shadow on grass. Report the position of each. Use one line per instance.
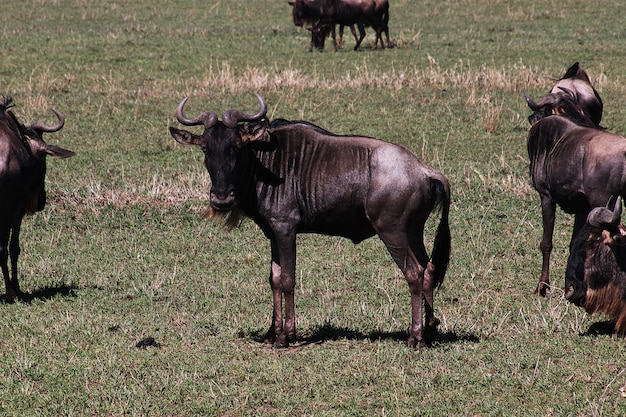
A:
(47, 293)
(601, 328)
(329, 332)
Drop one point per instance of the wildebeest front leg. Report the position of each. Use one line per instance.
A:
(12, 248)
(277, 299)
(575, 290)
(4, 264)
(548, 211)
(282, 281)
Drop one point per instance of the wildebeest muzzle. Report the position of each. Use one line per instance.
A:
(222, 200)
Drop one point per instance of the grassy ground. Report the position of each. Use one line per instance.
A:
(121, 253)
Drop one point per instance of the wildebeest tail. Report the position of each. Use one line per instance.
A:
(442, 246)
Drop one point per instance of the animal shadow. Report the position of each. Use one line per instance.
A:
(329, 332)
(46, 293)
(601, 328)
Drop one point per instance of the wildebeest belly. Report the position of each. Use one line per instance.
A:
(348, 222)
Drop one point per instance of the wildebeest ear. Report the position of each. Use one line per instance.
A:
(291, 3)
(254, 131)
(59, 153)
(184, 137)
(39, 147)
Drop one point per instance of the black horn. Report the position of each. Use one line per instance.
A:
(45, 128)
(207, 118)
(531, 103)
(232, 117)
(603, 216)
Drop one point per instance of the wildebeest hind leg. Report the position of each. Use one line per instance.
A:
(398, 246)
(430, 321)
(548, 212)
(361, 36)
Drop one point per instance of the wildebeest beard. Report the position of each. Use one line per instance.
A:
(605, 266)
(249, 165)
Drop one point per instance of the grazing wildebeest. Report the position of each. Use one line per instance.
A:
(573, 164)
(577, 80)
(295, 177)
(325, 14)
(598, 260)
(380, 23)
(22, 188)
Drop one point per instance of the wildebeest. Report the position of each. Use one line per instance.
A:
(573, 164)
(577, 81)
(325, 14)
(598, 260)
(22, 189)
(295, 177)
(380, 23)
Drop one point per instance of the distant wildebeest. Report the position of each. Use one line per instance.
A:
(295, 177)
(380, 23)
(577, 80)
(573, 164)
(322, 29)
(598, 258)
(325, 14)
(22, 188)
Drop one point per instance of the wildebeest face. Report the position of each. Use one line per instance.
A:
(221, 147)
(222, 143)
(298, 11)
(38, 190)
(39, 150)
(596, 253)
(319, 33)
(564, 103)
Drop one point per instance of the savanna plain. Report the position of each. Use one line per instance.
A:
(122, 252)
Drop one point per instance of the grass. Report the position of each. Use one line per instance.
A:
(122, 253)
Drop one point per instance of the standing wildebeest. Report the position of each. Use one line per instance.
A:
(380, 23)
(295, 177)
(577, 81)
(327, 13)
(598, 257)
(22, 188)
(573, 164)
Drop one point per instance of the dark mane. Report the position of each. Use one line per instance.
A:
(562, 104)
(5, 104)
(276, 123)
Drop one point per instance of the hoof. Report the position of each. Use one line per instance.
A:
(282, 341)
(541, 289)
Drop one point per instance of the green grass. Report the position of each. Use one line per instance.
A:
(122, 253)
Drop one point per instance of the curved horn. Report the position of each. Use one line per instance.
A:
(208, 118)
(531, 103)
(568, 91)
(603, 216)
(45, 128)
(232, 117)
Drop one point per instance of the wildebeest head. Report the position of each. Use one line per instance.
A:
(577, 80)
(305, 11)
(603, 242)
(563, 102)
(221, 143)
(572, 96)
(37, 150)
(319, 33)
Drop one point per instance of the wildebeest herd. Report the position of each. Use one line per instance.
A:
(294, 177)
(325, 15)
